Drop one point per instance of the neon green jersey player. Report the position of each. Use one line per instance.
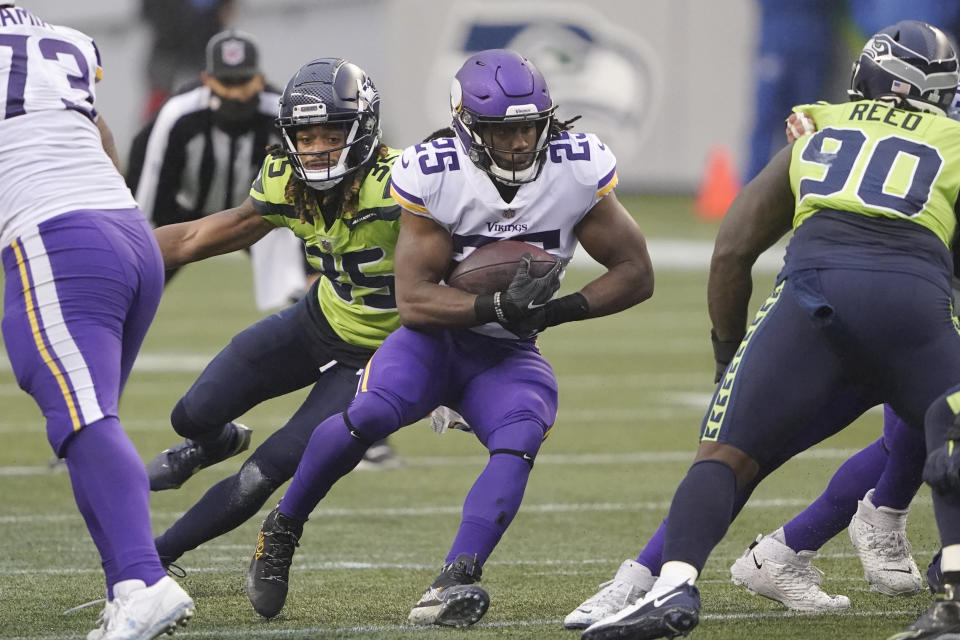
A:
(328, 181)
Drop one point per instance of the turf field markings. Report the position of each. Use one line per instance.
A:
(252, 632)
(566, 459)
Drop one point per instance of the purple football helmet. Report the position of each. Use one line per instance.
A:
(910, 61)
(495, 87)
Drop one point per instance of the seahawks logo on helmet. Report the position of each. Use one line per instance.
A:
(911, 62)
(330, 91)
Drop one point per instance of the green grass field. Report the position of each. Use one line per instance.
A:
(633, 390)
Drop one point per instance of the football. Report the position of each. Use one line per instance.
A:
(491, 267)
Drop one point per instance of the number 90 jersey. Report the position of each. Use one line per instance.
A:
(876, 160)
(437, 180)
(52, 158)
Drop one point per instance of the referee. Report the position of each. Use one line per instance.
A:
(202, 151)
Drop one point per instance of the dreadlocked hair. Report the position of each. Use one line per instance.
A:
(556, 128)
(343, 197)
(559, 126)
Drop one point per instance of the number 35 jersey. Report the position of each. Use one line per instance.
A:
(437, 179)
(51, 157)
(354, 253)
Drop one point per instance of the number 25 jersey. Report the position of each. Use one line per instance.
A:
(51, 156)
(438, 180)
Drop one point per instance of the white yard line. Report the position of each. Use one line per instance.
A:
(454, 509)
(250, 632)
(639, 457)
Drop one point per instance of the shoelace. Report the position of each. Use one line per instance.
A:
(800, 579)
(188, 455)
(616, 591)
(456, 573)
(84, 606)
(892, 545)
(278, 554)
(176, 571)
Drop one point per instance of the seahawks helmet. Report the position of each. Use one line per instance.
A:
(910, 61)
(330, 91)
(501, 86)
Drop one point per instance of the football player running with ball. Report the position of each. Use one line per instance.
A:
(509, 170)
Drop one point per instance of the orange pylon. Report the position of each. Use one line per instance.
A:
(719, 187)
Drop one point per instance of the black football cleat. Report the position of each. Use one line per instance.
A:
(941, 620)
(171, 468)
(671, 614)
(269, 575)
(453, 600)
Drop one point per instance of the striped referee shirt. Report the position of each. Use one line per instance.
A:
(182, 167)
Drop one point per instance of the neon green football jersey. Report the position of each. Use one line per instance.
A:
(871, 158)
(354, 255)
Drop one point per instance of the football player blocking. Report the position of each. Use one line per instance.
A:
(83, 281)
(870, 248)
(509, 170)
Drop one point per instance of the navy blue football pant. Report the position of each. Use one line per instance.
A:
(865, 336)
(271, 358)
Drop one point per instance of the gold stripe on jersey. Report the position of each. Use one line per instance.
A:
(609, 186)
(407, 204)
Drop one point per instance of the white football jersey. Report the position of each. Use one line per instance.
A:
(51, 157)
(436, 179)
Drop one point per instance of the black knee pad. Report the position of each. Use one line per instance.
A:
(253, 485)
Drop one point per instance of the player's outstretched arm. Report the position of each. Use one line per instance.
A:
(213, 235)
(759, 216)
(610, 235)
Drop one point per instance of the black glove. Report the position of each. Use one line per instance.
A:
(723, 352)
(942, 469)
(524, 296)
(565, 309)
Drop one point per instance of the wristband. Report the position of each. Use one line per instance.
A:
(487, 308)
(566, 309)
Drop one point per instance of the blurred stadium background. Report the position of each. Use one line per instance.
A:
(615, 62)
(666, 83)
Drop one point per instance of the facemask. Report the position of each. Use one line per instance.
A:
(234, 115)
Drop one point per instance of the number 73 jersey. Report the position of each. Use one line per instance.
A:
(876, 160)
(438, 180)
(51, 155)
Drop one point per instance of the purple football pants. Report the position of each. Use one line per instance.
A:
(81, 290)
(505, 390)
